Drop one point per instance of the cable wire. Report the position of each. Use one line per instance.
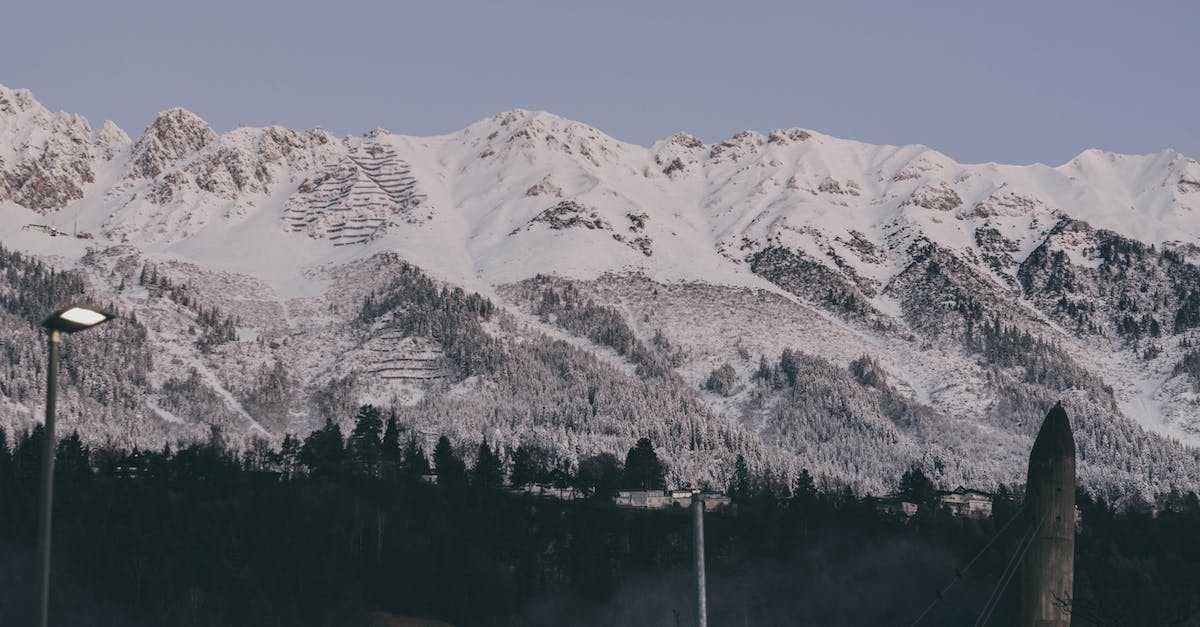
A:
(959, 572)
(1005, 577)
(1009, 566)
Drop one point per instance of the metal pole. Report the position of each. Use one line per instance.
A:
(47, 492)
(698, 553)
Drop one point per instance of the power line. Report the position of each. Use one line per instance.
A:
(1009, 567)
(1006, 576)
(959, 572)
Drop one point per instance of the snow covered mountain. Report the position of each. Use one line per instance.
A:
(529, 278)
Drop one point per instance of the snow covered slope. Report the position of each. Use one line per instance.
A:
(980, 292)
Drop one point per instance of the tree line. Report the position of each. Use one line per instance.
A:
(203, 536)
(375, 449)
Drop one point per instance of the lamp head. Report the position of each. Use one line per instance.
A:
(76, 318)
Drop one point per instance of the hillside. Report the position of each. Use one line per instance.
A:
(529, 278)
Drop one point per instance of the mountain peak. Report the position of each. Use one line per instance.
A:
(110, 138)
(783, 136)
(109, 129)
(173, 134)
(15, 101)
(517, 120)
(686, 140)
(1095, 156)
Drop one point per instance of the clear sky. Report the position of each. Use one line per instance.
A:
(1006, 81)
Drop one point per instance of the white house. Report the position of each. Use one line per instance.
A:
(662, 499)
(967, 502)
(645, 499)
(43, 228)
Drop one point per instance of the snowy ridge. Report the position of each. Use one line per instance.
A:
(47, 159)
(939, 270)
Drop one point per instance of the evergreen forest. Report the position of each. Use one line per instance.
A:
(349, 529)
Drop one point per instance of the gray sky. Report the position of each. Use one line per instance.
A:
(1014, 82)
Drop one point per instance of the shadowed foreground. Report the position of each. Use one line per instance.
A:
(201, 541)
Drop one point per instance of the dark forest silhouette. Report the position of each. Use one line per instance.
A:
(326, 530)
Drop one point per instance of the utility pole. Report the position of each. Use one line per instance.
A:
(698, 554)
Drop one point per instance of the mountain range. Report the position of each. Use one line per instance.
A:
(799, 299)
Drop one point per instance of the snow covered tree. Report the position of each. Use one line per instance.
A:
(789, 366)
(764, 374)
(722, 380)
(867, 371)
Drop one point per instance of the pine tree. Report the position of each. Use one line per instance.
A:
(789, 365)
(364, 443)
(806, 488)
(488, 471)
(415, 462)
(72, 459)
(5, 456)
(289, 455)
(323, 451)
(561, 476)
(524, 469)
(27, 454)
(916, 487)
(723, 380)
(643, 470)
(764, 370)
(740, 490)
(600, 475)
(450, 467)
(389, 453)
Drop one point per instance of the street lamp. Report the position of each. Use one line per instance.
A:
(67, 320)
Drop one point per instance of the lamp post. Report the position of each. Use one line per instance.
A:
(68, 320)
(698, 557)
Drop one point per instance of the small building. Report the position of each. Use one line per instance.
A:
(716, 500)
(645, 499)
(967, 502)
(894, 505)
(43, 228)
(568, 493)
(682, 498)
(663, 499)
